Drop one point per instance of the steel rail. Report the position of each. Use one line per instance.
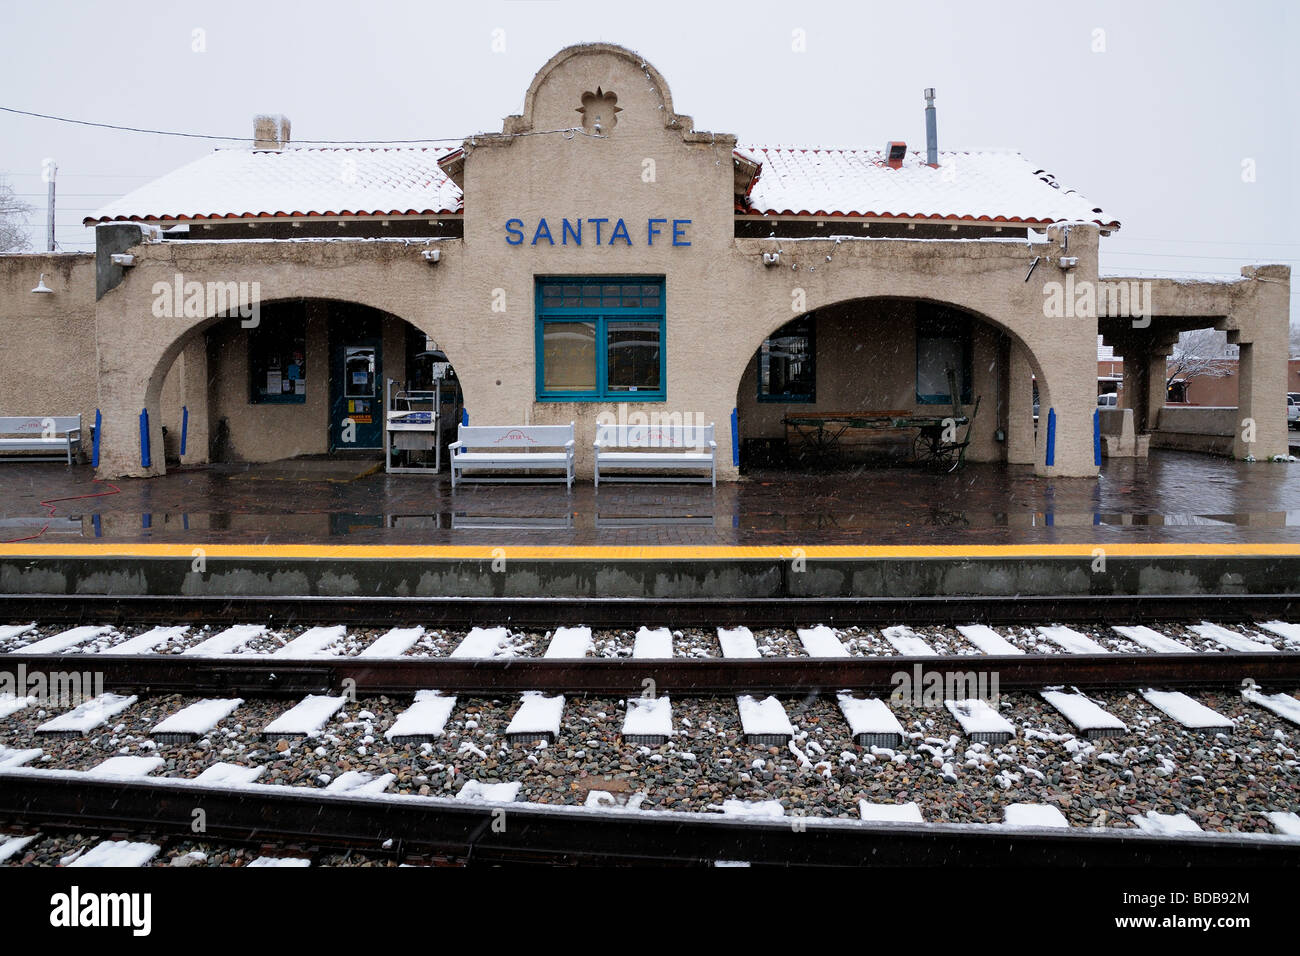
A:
(254, 675)
(397, 827)
(616, 612)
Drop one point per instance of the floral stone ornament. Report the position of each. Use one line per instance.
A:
(598, 111)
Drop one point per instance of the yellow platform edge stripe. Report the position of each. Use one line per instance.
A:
(389, 552)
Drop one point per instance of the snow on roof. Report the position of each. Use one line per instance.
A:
(350, 181)
(981, 185)
(977, 185)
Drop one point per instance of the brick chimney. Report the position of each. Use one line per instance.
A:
(270, 131)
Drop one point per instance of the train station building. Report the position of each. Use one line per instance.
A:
(601, 259)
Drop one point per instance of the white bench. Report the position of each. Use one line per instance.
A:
(48, 433)
(659, 448)
(519, 448)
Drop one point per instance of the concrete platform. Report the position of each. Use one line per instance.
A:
(1178, 524)
(1172, 497)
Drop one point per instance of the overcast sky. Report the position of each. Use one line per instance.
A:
(1153, 110)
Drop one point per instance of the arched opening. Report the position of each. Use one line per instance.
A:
(888, 360)
(299, 377)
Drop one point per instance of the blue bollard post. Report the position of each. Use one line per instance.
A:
(145, 460)
(1051, 436)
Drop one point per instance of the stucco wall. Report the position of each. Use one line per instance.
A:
(47, 342)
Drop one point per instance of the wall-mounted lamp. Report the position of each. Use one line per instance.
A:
(41, 287)
(771, 258)
(431, 256)
(1067, 262)
(123, 259)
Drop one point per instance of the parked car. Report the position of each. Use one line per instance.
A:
(1109, 400)
(1293, 410)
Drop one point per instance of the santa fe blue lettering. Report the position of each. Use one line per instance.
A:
(515, 232)
(597, 222)
(543, 231)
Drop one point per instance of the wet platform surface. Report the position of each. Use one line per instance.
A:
(1172, 497)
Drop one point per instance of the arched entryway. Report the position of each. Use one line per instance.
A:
(304, 376)
(887, 355)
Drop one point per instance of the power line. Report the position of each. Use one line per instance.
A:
(318, 142)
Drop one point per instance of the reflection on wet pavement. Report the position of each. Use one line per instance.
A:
(1172, 497)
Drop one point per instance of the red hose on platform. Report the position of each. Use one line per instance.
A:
(50, 503)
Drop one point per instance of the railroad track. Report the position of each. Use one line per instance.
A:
(656, 746)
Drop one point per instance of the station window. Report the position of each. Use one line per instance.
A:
(943, 341)
(787, 364)
(600, 338)
(277, 360)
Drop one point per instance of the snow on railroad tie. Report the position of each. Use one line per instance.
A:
(12, 846)
(1188, 712)
(821, 641)
(737, 642)
(871, 722)
(229, 775)
(907, 642)
(394, 643)
(538, 718)
(9, 631)
(226, 642)
(312, 643)
(280, 861)
(197, 720)
(60, 642)
(1166, 824)
(125, 768)
(87, 716)
(980, 722)
(889, 812)
(9, 757)
(117, 853)
(482, 642)
(759, 809)
(1152, 640)
(569, 643)
(1288, 632)
(489, 792)
(305, 718)
(359, 782)
(1281, 705)
(764, 722)
(1229, 639)
(648, 722)
(148, 641)
(1284, 822)
(1071, 640)
(10, 704)
(611, 799)
(987, 640)
(1038, 815)
(1088, 718)
(423, 721)
(654, 643)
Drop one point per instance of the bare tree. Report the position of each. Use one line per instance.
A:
(1201, 353)
(14, 220)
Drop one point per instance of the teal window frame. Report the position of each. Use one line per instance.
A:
(791, 398)
(601, 317)
(945, 324)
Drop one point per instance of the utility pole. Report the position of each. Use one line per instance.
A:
(51, 171)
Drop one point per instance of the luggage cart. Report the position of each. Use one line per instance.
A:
(412, 429)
